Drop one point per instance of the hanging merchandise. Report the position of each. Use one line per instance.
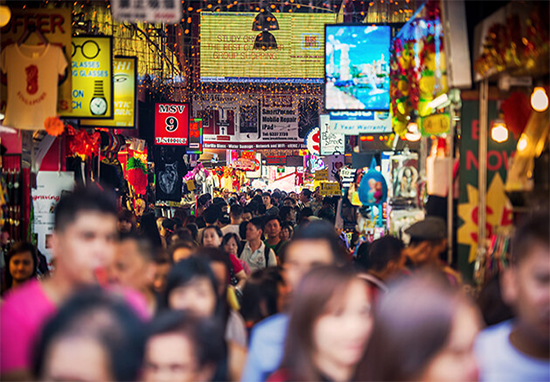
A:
(496, 259)
(32, 73)
(437, 170)
(80, 143)
(169, 170)
(404, 176)
(54, 126)
(137, 175)
(110, 173)
(373, 193)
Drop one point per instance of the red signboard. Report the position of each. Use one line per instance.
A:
(172, 124)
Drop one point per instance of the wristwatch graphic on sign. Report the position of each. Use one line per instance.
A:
(98, 104)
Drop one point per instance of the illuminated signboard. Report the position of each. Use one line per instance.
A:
(357, 67)
(195, 136)
(172, 124)
(262, 47)
(360, 122)
(92, 72)
(124, 82)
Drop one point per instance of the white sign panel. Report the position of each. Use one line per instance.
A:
(50, 185)
(360, 122)
(330, 143)
(252, 121)
(279, 118)
(158, 11)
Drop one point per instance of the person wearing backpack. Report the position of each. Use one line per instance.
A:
(255, 253)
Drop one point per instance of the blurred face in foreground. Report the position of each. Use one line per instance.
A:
(78, 358)
(456, 361)
(197, 296)
(526, 287)
(340, 335)
(85, 247)
(170, 357)
(302, 256)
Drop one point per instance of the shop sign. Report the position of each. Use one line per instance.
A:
(279, 118)
(92, 72)
(321, 175)
(246, 164)
(56, 26)
(329, 188)
(252, 145)
(294, 161)
(312, 141)
(50, 185)
(347, 175)
(330, 143)
(360, 122)
(171, 124)
(255, 118)
(125, 85)
(435, 124)
(169, 12)
(195, 136)
(275, 160)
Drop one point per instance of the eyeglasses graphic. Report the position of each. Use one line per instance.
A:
(120, 78)
(90, 49)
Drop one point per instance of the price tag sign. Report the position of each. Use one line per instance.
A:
(329, 188)
(435, 124)
(321, 174)
(172, 124)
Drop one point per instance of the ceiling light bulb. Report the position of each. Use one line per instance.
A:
(522, 143)
(5, 15)
(499, 132)
(539, 99)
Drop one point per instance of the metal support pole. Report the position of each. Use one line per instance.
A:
(450, 193)
(482, 159)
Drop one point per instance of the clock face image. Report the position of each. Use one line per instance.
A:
(98, 106)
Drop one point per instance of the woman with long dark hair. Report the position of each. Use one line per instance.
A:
(192, 286)
(423, 331)
(330, 323)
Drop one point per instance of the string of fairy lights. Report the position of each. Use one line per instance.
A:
(169, 55)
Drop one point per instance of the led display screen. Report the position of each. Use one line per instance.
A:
(262, 47)
(357, 67)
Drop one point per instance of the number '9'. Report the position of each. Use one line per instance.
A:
(171, 124)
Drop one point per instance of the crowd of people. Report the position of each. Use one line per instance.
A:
(261, 286)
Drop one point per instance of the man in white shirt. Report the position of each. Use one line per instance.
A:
(235, 214)
(519, 349)
(255, 253)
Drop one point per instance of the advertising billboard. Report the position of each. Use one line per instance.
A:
(262, 47)
(172, 124)
(124, 82)
(357, 67)
(92, 71)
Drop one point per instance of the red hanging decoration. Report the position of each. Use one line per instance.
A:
(54, 126)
